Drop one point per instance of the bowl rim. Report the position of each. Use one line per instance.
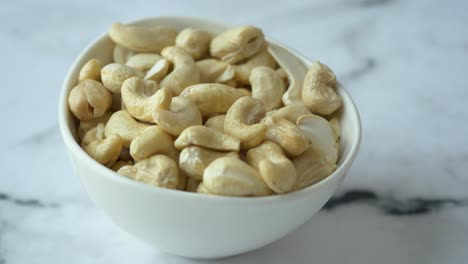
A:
(103, 171)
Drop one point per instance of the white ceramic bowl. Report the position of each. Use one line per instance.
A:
(190, 224)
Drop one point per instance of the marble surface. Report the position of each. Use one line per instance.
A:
(405, 199)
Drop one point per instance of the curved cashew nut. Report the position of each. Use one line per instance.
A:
(215, 71)
(291, 112)
(143, 61)
(233, 177)
(193, 160)
(318, 91)
(195, 41)
(142, 98)
(267, 86)
(121, 54)
(91, 70)
(150, 141)
(113, 75)
(143, 38)
(119, 164)
(243, 122)
(216, 122)
(104, 150)
(157, 170)
(192, 184)
(287, 135)
(158, 71)
(206, 137)
(89, 100)
(121, 123)
(212, 97)
(87, 125)
(182, 113)
(237, 43)
(262, 58)
(185, 71)
(276, 169)
(311, 168)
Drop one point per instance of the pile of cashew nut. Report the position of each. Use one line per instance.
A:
(207, 113)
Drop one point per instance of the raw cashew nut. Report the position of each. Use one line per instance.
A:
(120, 163)
(157, 170)
(216, 122)
(207, 137)
(158, 71)
(287, 135)
(143, 38)
(104, 150)
(267, 86)
(311, 167)
(121, 54)
(262, 58)
(121, 123)
(182, 113)
(91, 70)
(192, 184)
(233, 177)
(142, 98)
(150, 141)
(143, 61)
(291, 112)
(89, 100)
(212, 97)
(276, 169)
(318, 91)
(237, 43)
(214, 71)
(243, 122)
(193, 160)
(87, 125)
(113, 75)
(185, 71)
(195, 41)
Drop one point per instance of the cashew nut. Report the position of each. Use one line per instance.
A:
(237, 43)
(185, 71)
(143, 61)
(212, 97)
(214, 71)
(311, 167)
(243, 122)
(182, 113)
(119, 164)
(157, 170)
(233, 177)
(291, 112)
(195, 41)
(114, 74)
(276, 169)
(216, 122)
(158, 71)
(87, 125)
(89, 100)
(207, 137)
(192, 184)
(267, 86)
(104, 150)
(91, 70)
(262, 58)
(193, 160)
(121, 123)
(287, 135)
(318, 91)
(142, 98)
(150, 141)
(122, 54)
(143, 38)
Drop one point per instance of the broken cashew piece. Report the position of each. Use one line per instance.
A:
(193, 160)
(291, 112)
(262, 58)
(181, 114)
(121, 123)
(195, 41)
(276, 169)
(158, 71)
(185, 71)
(287, 135)
(233, 177)
(150, 141)
(243, 122)
(89, 100)
(91, 70)
(143, 97)
(207, 137)
(113, 75)
(157, 170)
(318, 91)
(143, 61)
(102, 149)
(216, 122)
(143, 38)
(267, 86)
(237, 43)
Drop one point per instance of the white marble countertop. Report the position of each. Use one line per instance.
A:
(405, 199)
